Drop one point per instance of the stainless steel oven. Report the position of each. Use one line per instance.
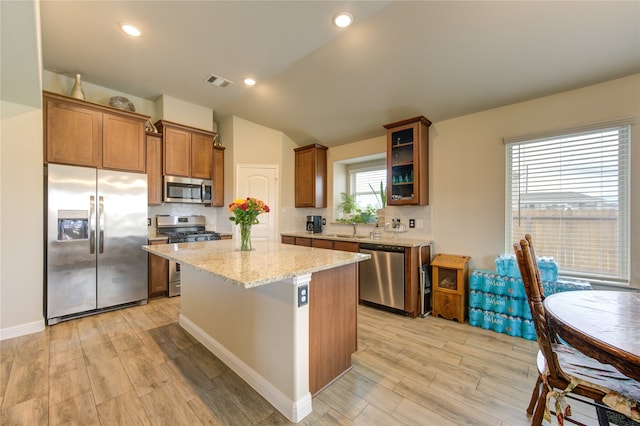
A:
(182, 229)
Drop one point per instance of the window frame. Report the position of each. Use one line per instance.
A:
(623, 184)
(369, 166)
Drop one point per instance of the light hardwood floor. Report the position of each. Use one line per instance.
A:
(136, 366)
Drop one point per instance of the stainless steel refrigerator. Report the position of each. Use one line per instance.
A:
(96, 226)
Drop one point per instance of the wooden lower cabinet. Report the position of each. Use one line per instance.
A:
(346, 246)
(333, 304)
(326, 244)
(158, 274)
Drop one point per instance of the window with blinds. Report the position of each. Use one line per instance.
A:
(360, 179)
(571, 193)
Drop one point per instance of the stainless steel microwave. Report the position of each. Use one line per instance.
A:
(186, 190)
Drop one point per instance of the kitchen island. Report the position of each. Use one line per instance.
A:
(283, 317)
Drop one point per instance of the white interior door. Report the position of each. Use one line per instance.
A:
(260, 181)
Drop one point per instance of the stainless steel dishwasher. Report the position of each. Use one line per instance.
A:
(382, 277)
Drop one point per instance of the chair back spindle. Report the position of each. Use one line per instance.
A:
(535, 296)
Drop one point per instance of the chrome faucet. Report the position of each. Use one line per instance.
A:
(354, 228)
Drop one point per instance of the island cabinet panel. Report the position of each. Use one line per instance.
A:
(311, 176)
(123, 143)
(332, 324)
(154, 169)
(82, 133)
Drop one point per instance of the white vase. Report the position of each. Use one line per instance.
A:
(77, 91)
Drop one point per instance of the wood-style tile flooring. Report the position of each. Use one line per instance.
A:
(137, 366)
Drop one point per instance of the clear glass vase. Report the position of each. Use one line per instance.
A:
(244, 237)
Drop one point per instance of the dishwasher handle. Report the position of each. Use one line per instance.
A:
(382, 247)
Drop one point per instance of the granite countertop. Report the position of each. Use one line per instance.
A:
(388, 238)
(268, 262)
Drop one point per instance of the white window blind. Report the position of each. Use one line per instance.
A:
(359, 186)
(571, 193)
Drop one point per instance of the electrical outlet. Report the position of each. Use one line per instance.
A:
(324, 221)
(412, 223)
(148, 221)
(303, 295)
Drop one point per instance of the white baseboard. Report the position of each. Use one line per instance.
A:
(294, 411)
(22, 329)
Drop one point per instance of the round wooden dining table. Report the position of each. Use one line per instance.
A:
(604, 325)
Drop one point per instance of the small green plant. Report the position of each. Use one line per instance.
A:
(348, 204)
(381, 196)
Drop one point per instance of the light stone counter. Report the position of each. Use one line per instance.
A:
(266, 263)
(389, 238)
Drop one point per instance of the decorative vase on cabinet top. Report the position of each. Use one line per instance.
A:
(77, 91)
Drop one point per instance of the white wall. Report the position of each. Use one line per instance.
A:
(250, 143)
(21, 221)
(468, 165)
(21, 177)
(188, 114)
(62, 85)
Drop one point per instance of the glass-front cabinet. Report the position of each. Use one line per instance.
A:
(408, 162)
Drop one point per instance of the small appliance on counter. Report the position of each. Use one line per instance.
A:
(314, 224)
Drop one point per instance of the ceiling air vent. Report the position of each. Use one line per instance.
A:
(218, 81)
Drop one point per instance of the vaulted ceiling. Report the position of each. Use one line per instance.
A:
(320, 83)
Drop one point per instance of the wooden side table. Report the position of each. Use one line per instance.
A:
(450, 278)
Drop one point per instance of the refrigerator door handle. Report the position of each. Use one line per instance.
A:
(101, 224)
(92, 224)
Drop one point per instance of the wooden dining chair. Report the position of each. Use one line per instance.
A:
(563, 370)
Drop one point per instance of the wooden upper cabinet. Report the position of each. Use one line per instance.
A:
(154, 169)
(408, 162)
(187, 151)
(217, 198)
(201, 155)
(72, 133)
(177, 152)
(82, 133)
(123, 145)
(311, 176)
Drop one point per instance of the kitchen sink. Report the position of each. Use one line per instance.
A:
(350, 236)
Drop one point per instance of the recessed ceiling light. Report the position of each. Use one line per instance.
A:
(343, 19)
(132, 30)
(249, 81)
